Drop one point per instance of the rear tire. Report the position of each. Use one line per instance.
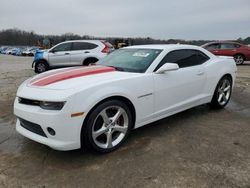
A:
(239, 59)
(222, 93)
(107, 127)
(89, 61)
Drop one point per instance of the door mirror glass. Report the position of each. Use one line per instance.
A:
(167, 67)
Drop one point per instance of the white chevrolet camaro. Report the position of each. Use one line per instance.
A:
(95, 107)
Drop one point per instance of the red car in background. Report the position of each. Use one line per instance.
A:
(239, 51)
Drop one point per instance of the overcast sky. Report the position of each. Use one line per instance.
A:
(162, 19)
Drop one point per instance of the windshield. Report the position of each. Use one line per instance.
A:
(130, 60)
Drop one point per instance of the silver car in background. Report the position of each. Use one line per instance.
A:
(71, 53)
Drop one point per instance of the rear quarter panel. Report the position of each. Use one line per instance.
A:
(215, 70)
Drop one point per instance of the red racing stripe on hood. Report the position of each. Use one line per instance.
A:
(51, 73)
(69, 74)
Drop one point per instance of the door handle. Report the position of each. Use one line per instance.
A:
(86, 52)
(199, 73)
(67, 54)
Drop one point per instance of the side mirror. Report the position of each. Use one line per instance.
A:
(167, 67)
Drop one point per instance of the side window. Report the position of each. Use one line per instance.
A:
(236, 45)
(184, 58)
(227, 46)
(62, 47)
(92, 46)
(213, 46)
(201, 57)
(83, 46)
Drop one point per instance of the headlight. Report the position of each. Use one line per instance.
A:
(51, 105)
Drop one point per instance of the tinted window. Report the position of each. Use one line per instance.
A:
(213, 46)
(201, 57)
(236, 45)
(227, 46)
(184, 58)
(62, 47)
(83, 46)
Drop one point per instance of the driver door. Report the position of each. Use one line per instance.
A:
(60, 55)
(179, 89)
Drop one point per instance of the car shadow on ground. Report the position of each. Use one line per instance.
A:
(138, 138)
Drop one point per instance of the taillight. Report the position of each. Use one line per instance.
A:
(106, 48)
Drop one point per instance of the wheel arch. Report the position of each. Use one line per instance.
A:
(226, 74)
(116, 97)
(40, 60)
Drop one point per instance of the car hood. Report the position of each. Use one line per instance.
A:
(78, 77)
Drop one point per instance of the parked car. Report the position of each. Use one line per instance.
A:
(2, 49)
(8, 51)
(239, 51)
(96, 106)
(71, 53)
(26, 51)
(15, 51)
(30, 51)
(20, 51)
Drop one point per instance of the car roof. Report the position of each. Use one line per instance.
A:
(83, 41)
(220, 42)
(163, 46)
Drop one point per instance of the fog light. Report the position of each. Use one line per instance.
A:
(51, 131)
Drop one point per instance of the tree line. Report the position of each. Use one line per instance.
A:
(19, 37)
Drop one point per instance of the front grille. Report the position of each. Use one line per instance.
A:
(35, 128)
(28, 101)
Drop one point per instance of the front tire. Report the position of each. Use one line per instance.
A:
(107, 126)
(41, 67)
(222, 93)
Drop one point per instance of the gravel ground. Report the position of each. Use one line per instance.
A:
(196, 148)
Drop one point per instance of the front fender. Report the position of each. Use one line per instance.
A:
(92, 98)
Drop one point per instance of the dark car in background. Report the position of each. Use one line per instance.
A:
(239, 51)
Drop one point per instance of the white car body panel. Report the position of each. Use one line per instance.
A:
(154, 96)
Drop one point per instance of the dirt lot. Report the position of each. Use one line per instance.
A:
(196, 148)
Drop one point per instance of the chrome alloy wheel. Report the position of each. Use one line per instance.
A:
(239, 59)
(224, 92)
(110, 127)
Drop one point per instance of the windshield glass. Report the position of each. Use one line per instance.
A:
(130, 60)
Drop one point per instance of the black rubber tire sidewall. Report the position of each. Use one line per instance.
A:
(87, 140)
(89, 61)
(36, 64)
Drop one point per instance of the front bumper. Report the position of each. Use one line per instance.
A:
(68, 129)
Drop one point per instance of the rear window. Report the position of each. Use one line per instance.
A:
(213, 46)
(227, 46)
(83, 46)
